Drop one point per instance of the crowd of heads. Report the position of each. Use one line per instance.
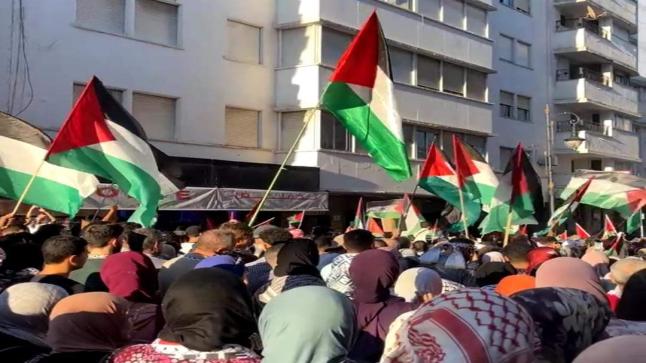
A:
(116, 292)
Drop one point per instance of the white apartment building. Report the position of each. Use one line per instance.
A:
(234, 80)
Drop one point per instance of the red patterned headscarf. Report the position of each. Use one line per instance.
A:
(470, 325)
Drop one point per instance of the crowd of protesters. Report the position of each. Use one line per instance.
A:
(115, 292)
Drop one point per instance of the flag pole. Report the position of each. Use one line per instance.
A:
(300, 223)
(407, 208)
(641, 224)
(464, 217)
(282, 166)
(507, 228)
(27, 187)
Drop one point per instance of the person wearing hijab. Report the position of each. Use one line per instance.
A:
(288, 336)
(24, 319)
(515, 283)
(629, 348)
(87, 327)
(373, 273)
(570, 272)
(208, 320)
(491, 273)
(225, 262)
(470, 325)
(567, 320)
(130, 275)
(537, 256)
(620, 272)
(295, 266)
(418, 285)
(633, 299)
(598, 260)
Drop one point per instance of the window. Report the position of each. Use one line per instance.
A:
(409, 131)
(333, 44)
(404, 4)
(506, 48)
(423, 140)
(522, 6)
(596, 164)
(506, 104)
(476, 20)
(430, 8)
(580, 164)
(333, 135)
(453, 79)
(78, 89)
(297, 46)
(476, 85)
(623, 166)
(156, 115)
(156, 21)
(523, 107)
(428, 72)
(244, 42)
(509, 3)
(401, 63)
(505, 155)
(291, 124)
(622, 123)
(454, 13)
(104, 15)
(241, 127)
(479, 143)
(522, 54)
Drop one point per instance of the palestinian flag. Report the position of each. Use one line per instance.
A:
(620, 192)
(23, 148)
(475, 169)
(100, 137)
(565, 211)
(581, 232)
(608, 227)
(296, 218)
(520, 192)
(358, 215)
(360, 96)
(413, 218)
(634, 222)
(439, 178)
(385, 209)
(373, 227)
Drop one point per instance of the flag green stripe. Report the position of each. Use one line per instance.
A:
(43, 192)
(386, 149)
(129, 177)
(448, 191)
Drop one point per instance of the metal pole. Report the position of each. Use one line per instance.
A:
(641, 224)
(550, 176)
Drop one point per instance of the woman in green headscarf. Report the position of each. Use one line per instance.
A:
(311, 324)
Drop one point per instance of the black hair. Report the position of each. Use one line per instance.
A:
(274, 236)
(358, 240)
(99, 235)
(379, 243)
(324, 241)
(58, 248)
(631, 305)
(517, 250)
(404, 242)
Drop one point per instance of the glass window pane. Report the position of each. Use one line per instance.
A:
(401, 63)
(479, 143)
(430, 8)
(505, 155)
(244, 42)
(156, 21)
(404, 4)
(454, 13)
(476, 20)
(423, 140)
(505, 48)
(241, 127)
(523, 107)
(506, 104)
(290, 125)
(298, 46)
(453, 79)
(79, 87)
(523, 54)
(156, 115)
(447, 143)
(408, 131)
(428, 72)
(522, 6)
(327, 131)
(333, 44)
(105, 15)
(476, 85)
(340, 137)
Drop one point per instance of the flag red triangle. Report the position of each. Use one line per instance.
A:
(374, 227)
(435, 164)
(582, 233)
(464, 165)
(358, 64)
(519, 182)
(523, 230)
(563, 236)
(608, 226)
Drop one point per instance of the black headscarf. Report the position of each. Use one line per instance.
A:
(298, 257)
(491, 273)
(206, 309)
(633, 299)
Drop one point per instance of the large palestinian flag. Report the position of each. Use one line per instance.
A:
(564, 212)
(439, 178)
(474, 172)
(360, 96)
(519, 192)
(22, 150)
(100, 137)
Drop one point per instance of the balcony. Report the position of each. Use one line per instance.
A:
(587, 46)
(587, 94)
(624, 11)
(621, 145)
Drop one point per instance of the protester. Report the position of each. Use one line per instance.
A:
(24, 319)
(537, 256)
(567, 320)
(242, 239)
(516, 252)
(259, 271)
(225, 262)
(373, 274)
(152, 246)
(338, 276)
(102, 241)
(295, 266)
(620, 272)
(570, 272)
(490, 273)
(62, 255)
(469, 325)
(327, 250)
(633, 299)
(628, 348)
(598, 260)
(288, 335)
(418, 285)
(492, 256)
(192, 235)
(210, 243)
(513, 284)
(208, 319)
(130, 275)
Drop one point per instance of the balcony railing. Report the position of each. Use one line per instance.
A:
(624, 10)
(564, 126)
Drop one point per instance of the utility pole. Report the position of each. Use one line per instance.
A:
(548, 151)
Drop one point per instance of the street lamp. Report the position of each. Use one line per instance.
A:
(574, 141)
